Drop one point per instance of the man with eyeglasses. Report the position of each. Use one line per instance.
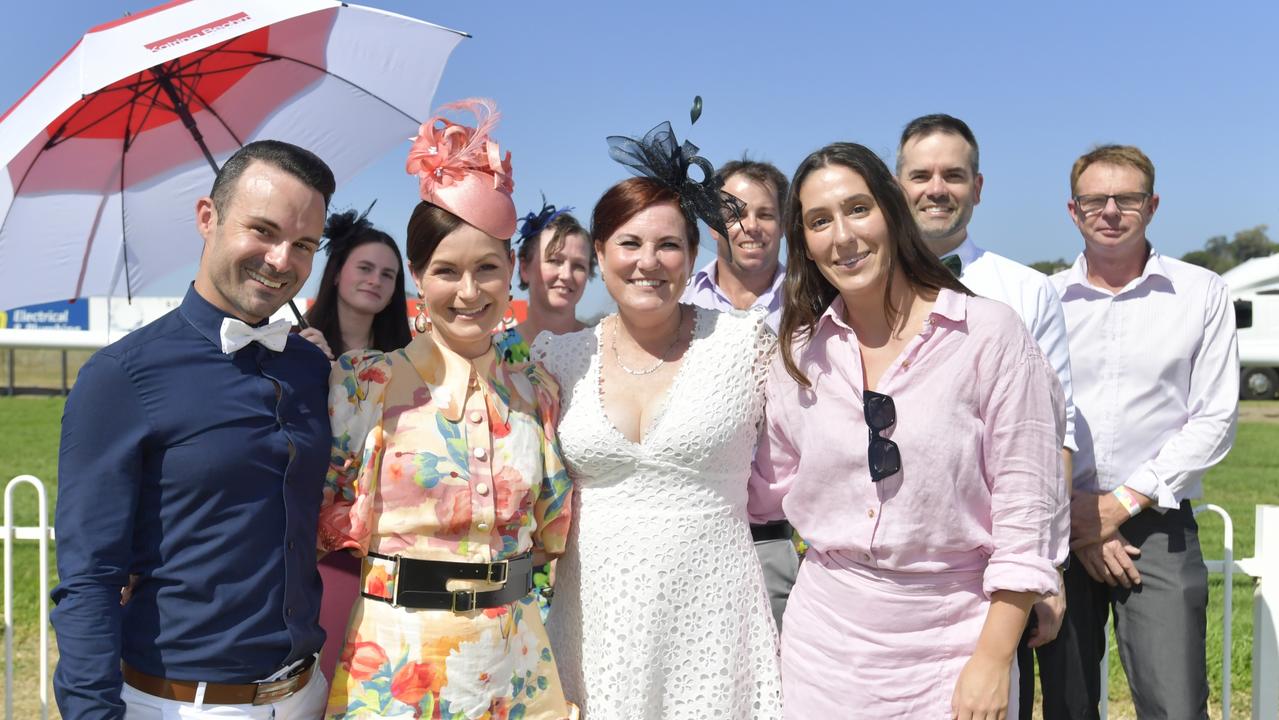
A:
(937, 169)
(1156, 380)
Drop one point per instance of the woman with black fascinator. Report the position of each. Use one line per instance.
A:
(360, 304)
(660, 611)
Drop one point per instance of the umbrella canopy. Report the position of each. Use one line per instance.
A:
(104, 159)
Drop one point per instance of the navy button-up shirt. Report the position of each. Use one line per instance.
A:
(200, 472)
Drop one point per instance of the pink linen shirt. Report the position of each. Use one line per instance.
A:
(980, 422)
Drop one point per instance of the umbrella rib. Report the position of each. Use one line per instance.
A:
(207, 73)
(209, 107)
(135, 92)
(317, 68)
(127, 141)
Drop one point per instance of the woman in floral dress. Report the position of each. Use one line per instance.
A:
(446, 475)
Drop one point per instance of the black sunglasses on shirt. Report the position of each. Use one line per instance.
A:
(884, 457)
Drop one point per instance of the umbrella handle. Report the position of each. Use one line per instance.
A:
(297, 314)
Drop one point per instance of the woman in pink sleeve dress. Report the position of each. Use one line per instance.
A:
(912, 439)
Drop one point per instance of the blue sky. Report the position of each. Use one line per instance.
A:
(1193, 84)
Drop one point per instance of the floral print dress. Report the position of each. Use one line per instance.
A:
(438, 457)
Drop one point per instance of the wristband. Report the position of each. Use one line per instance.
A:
(1127, 499)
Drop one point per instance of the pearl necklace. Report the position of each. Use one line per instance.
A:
(660, 361)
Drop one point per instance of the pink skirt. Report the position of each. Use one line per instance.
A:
(878, 644)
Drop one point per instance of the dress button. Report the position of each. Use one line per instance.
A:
(866, 557)
(480, 453)
(870, 513)
(477, 416)
(482, 489)
(482, 525)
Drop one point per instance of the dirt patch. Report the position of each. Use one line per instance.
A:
(1259, 411)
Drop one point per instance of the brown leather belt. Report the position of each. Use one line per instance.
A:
(219, 693)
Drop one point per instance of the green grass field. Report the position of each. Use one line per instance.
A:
(29, 428)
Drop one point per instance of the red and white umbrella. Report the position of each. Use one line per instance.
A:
(104, 159)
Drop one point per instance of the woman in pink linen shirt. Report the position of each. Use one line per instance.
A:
(931, 539)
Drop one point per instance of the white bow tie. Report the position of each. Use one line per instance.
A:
(235, 334)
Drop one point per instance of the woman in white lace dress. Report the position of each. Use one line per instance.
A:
(660, 611)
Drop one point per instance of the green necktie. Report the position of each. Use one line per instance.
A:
(953, 264)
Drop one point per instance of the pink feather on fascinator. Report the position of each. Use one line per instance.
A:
(462, 169)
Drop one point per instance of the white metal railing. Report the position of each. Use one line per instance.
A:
(42, 534)
(1265, 653)
(1263, 567)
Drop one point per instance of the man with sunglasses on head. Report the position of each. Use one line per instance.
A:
(1156, 371)
(937, 168)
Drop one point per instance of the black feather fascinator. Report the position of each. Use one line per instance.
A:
(660, 156)
(341, 229)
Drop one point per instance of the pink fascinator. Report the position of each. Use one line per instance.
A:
(462, 169)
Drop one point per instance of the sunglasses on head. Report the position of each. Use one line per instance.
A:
(881, 414)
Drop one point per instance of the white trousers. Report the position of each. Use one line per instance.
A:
(305, 704)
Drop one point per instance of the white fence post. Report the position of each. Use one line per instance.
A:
(9, 533)
(1227, 600)
(1265, 616)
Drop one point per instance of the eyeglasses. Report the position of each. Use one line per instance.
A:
(1126, 202)
(881, 414)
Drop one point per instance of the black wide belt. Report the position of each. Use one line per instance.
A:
(779, 530)
(423, 584)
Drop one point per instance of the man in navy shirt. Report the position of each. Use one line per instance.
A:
(193, 455)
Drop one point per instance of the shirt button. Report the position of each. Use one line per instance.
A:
(482, 526)
(288, 612)
(480, 453)
(476, 416)
(482, 489)
(906, 365)
(290, 545)
(870, 513)
(866, 557)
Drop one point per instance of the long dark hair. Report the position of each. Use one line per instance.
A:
(807, 293)
(345, 232)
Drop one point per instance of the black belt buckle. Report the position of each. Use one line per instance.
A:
(468, 597)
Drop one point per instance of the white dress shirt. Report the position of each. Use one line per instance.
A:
(1028, 292)
(1156, 371)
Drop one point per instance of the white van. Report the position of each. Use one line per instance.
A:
(1254, 286)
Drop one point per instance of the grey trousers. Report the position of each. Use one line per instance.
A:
(1159, 627)
(780, 563)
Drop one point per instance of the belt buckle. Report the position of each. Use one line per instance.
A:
(504, 565)
(470, 602)
(271, 692)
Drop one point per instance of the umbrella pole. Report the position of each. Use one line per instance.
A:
(188, 121)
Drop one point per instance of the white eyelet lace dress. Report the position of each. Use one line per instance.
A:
(659, 610)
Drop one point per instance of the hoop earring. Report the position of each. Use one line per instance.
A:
(421, 323)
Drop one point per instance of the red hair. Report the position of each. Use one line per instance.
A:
(627, 199)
